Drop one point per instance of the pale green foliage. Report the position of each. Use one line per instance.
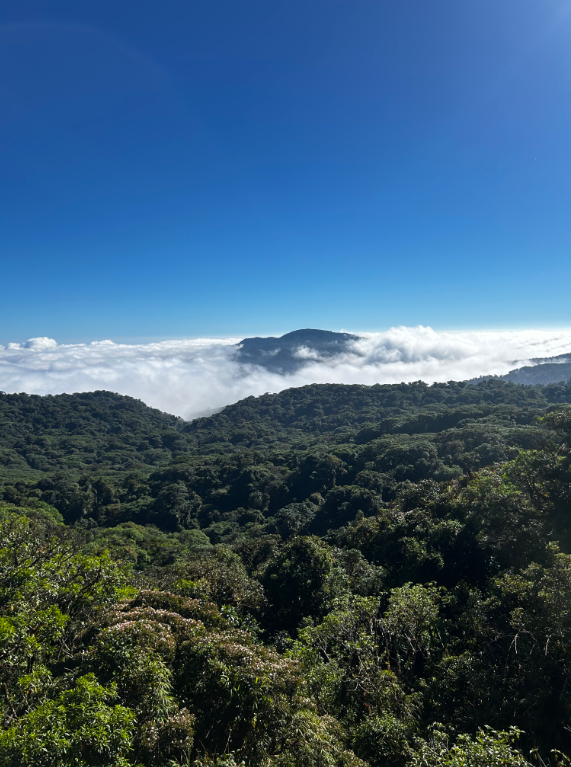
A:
(357, 659)
(132, 652)
(79, 728)
(227, 760)
(48, 592)
(488, 748)
(409, 626)
(383, 740)
(314, 741)
(346, 663)
(221, 578)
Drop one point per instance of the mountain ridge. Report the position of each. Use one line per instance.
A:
(282, 354)
(291, 352)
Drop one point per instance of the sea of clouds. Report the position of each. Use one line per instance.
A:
(199, 376)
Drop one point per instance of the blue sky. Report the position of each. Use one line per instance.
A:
(190, 168)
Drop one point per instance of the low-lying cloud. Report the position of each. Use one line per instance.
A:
(194, 377)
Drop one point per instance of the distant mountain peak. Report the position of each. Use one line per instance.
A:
(546, 370)
(282, 355)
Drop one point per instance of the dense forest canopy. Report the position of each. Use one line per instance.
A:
(544, 373)
(337, 576)
(544, 370)
(101, 432)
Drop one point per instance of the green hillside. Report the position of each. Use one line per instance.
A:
(272, 463)
(94, 432)
(340, 576)
(337, 413)
(545, 373)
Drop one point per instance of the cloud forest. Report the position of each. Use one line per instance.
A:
(332, 575)
(285, 383)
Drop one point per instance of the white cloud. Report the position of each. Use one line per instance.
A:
(201, 375)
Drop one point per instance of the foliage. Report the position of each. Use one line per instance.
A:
(488, 749)
(78, 729)
(387, 558)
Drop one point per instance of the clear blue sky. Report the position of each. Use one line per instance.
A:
(214, 167)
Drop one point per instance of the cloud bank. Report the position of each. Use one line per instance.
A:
(199, 376)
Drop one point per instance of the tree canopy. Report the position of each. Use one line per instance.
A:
(388, 585)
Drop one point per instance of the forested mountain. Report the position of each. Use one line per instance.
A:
(104, 433)
(304, 461)
(543, 373)
(289, 352)
(339, 413)
(546, 370)
(293, 350)
(340, 576)
(93, 431)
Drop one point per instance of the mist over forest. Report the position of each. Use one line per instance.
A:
(197, 377)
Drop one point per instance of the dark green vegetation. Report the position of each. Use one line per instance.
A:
(74, 433)
(332, 576)
(545, 373)
(546, 370)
